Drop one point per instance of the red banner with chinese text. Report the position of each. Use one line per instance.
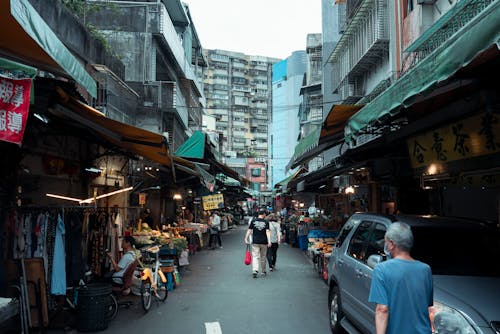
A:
(14, 108)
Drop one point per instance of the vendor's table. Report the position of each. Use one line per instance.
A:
(320, 260)
(201, 232)
(194, 242)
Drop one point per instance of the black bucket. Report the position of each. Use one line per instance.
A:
(93, 303)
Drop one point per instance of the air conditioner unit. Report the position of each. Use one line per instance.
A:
(426, 2)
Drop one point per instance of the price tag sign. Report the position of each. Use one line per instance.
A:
(142, 198)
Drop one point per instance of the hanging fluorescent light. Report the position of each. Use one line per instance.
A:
(64, 197)
(41, 118)
(90, 200)
(93, 170)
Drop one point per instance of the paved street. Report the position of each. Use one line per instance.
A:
(218, 290)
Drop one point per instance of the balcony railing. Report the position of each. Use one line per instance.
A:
(444, 29)
(167, 30)
(350, 92)
(364, 41)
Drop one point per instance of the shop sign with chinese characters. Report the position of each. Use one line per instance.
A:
(468, 138)
(213, 202)
(14, 108)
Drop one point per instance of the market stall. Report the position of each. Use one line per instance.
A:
(320, 247)
(170, 239)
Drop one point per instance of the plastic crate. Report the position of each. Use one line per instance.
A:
(166, 263)
(168, 251)
(169, 269)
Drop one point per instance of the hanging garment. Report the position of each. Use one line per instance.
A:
(27, 235)
(109, 242)
(39, 237)
(19, 242)
(8, 236)
(119, 231)
(50, 237)
(58, 285)
(85, 236)
(75, 266)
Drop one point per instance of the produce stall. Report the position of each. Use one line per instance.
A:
(320, 247)
(171, 240)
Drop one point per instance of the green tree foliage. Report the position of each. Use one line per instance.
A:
(81, 9)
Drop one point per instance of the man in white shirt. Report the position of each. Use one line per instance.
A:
(128, 257)
(215, 230)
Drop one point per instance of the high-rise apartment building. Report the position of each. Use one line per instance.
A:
(238, 91)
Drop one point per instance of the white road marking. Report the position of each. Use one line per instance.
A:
(213, 328)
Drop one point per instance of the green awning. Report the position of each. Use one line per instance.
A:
(19, 71)
(227, 180)
(331, 133)
(12, 66)
(27, 38)
(284, 183)
(194, 147)
(307, 143)
(479, 34)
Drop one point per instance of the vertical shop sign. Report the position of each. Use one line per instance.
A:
(142, 198)
(14, 108)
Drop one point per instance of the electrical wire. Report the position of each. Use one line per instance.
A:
(280, 107)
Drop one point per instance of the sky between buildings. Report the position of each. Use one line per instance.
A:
(272, 28)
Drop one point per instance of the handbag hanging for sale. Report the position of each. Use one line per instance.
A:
(248, 256)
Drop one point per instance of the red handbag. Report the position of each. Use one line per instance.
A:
(248, 256)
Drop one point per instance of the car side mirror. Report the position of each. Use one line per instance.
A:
(373, 260)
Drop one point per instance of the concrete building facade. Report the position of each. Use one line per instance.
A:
(158, 44)
(311, 109)
(288, 76)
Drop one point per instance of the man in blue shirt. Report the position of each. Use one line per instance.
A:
(401, 287)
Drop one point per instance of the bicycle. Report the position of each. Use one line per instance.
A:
(153, 281)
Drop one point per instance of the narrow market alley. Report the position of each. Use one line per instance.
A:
(217, 289)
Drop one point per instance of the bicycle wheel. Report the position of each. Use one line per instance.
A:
(146, 294)
(161, 290)
(112, 308)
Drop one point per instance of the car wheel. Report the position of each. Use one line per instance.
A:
(335, 311)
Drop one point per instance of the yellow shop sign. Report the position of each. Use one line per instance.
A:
(471, 137)
(212, 202)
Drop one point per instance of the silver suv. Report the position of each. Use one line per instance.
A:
(464, 256)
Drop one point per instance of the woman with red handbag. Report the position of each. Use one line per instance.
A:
(261, 241)
(248, 255)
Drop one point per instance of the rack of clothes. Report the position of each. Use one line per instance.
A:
(67, 241)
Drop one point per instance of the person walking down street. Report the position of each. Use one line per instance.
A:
(401, 287)
(261, 240)
(275, 232)
(215, 226)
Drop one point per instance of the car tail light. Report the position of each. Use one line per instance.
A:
(447, 320)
